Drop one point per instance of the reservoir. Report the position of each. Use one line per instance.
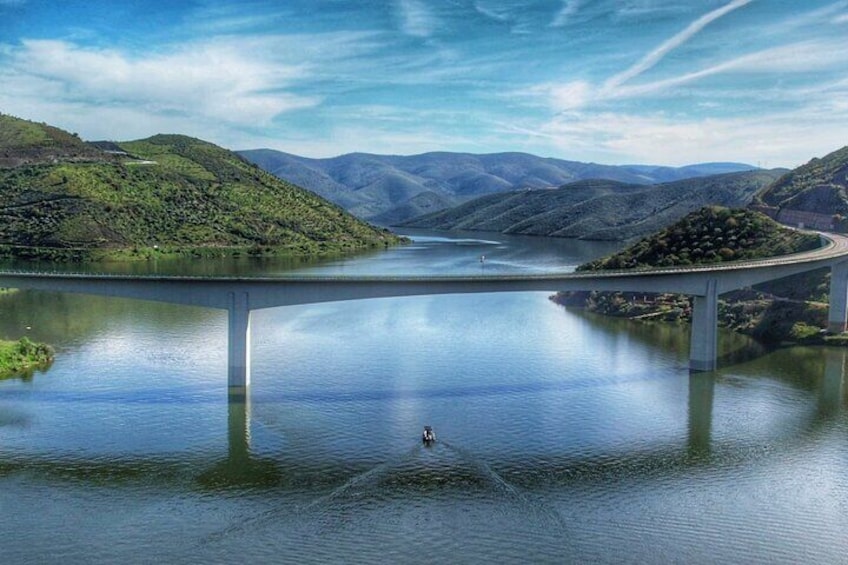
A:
(562, 437)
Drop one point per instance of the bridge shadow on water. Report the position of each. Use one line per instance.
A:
(819, 372)
(733, 348)
(449, 467)
(822, 373)
(447, 484)
(824, 376)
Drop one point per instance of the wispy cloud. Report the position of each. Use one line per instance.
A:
(416, 75)
(666, 47)
(491, 13)
(770, 139)
(578, 94)
(209, 81)
(647, 10)
(568, 11)
(416, 18)
(801, 57)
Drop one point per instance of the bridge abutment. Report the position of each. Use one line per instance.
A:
(838, 311)
(703, 344)
(238, 343)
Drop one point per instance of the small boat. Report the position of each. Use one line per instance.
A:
(428, 436)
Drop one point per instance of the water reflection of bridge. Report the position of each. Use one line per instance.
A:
(241, 296)
(241, 466)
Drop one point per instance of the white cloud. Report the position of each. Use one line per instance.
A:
(416, 18)
(569, 10)
(644, 10)
(780, 139)
(796, 58)
(570, 96)
(656, 55)
(842, 19)
(216, 17)
(491, 13)
(799, 57)
(208, 79)
(580, 94)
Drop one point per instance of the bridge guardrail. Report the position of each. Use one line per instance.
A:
(837, 246)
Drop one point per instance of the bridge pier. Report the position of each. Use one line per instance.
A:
(238, 344)
(703, 343)
(838, 311)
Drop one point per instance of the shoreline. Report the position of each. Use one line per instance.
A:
(772, 320)
(23, 357)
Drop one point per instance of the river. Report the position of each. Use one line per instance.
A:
(562, 437)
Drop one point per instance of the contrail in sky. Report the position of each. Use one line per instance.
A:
(671, 44)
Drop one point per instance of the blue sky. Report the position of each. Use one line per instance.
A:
(612, 81)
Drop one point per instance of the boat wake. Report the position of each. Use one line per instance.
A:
(439, 487)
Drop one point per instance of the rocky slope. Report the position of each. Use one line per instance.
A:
(815, 193)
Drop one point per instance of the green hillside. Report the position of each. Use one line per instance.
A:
(64, 199)
(23, 142)
(710, 235)
(820, 186)
(782, 311)
(598, 209)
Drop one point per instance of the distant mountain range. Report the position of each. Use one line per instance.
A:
(75, 200)
(599, 209)
(389, 189)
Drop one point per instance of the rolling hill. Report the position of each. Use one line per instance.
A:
(815, 194)
(390, 189)
(61, 198)
(598, 209)
(783, 311)
(712, 234)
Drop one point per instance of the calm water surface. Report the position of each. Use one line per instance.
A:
(563, 437)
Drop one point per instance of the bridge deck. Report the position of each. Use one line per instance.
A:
(241, 295)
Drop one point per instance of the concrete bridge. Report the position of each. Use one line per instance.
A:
(240, 295)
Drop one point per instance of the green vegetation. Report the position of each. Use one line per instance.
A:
(23, 142)
(61, 199)
(22, 357)
(599, 209)
(710, 235)
(819, 186)
(787, 310)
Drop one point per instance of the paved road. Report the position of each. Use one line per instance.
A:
(217, 291)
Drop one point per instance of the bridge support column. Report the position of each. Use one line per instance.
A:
(703, 344)
(238, 344)
(838, 312)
